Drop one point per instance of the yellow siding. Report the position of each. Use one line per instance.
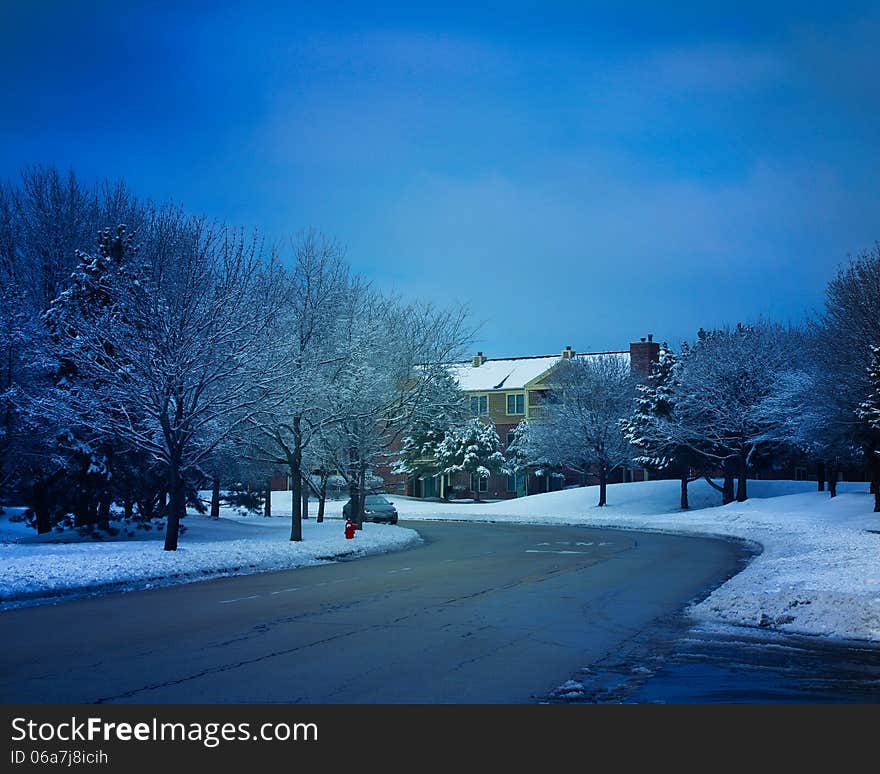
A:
(497, 406)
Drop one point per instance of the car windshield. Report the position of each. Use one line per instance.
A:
(375, 500)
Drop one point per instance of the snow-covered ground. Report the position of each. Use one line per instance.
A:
(818, 573)
(32, 568)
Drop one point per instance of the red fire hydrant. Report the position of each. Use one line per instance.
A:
(349, 529)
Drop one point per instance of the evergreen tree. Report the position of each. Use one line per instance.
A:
(651, 427)
(869, 412)
(419, 450)
(472, 448)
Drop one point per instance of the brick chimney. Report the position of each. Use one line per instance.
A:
(568, 353)
(642, 355)
(478, 359)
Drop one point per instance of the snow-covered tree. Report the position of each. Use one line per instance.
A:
(311, 333)
(651, 428)
(418, 449)
(534, 449)
(396, 379)
(441, 412)
(178, 358)
(869, 409)
(45, 218)
(847, 329)
(869, 412)
(723, 385)
(589, 397)
(473, 448)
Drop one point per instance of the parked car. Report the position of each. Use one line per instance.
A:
(376, 508)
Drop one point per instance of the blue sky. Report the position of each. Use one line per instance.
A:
(577, 173)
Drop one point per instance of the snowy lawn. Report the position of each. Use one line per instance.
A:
(32, 568)
(818, 573)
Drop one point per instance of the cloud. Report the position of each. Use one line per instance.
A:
(715, 67)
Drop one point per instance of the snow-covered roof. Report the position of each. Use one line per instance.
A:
(510, 373)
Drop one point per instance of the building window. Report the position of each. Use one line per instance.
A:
(516, 482)
(479, 483)
(516, 404)
(479, 405)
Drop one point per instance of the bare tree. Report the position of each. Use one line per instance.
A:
(847, 331)
(589, 397)
(311, 332)
(180, 357)
(721, 391)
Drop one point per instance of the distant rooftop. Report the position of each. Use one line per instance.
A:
(512, 373)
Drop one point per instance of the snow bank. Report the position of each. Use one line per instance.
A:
(232, 545)
(819, 572)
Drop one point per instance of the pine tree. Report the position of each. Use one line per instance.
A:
(419, 449)
(869, 412)
(88, 454)
(654, 408)
(651, 429)
(472, 448)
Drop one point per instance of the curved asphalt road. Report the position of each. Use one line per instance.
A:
(480, 613)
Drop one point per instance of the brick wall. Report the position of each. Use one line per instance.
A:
(642, 355)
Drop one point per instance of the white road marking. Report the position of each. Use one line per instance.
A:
(401, 569)
(563, 551)
(284, 591)
(237, 599)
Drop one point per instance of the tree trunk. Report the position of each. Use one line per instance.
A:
(178, 502)
(362, 495)
(354, 499)
(82, 512)
(820, 476)
(832, 478)
(128, 505)
(322, 499)
(40, 499)
(104, 509)
(305, 500)
(267, 501)
(684, 491)
(215, 498)
(742, 478)
(296, 527)
(603, 485)
(874, 467)
(727, 495)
